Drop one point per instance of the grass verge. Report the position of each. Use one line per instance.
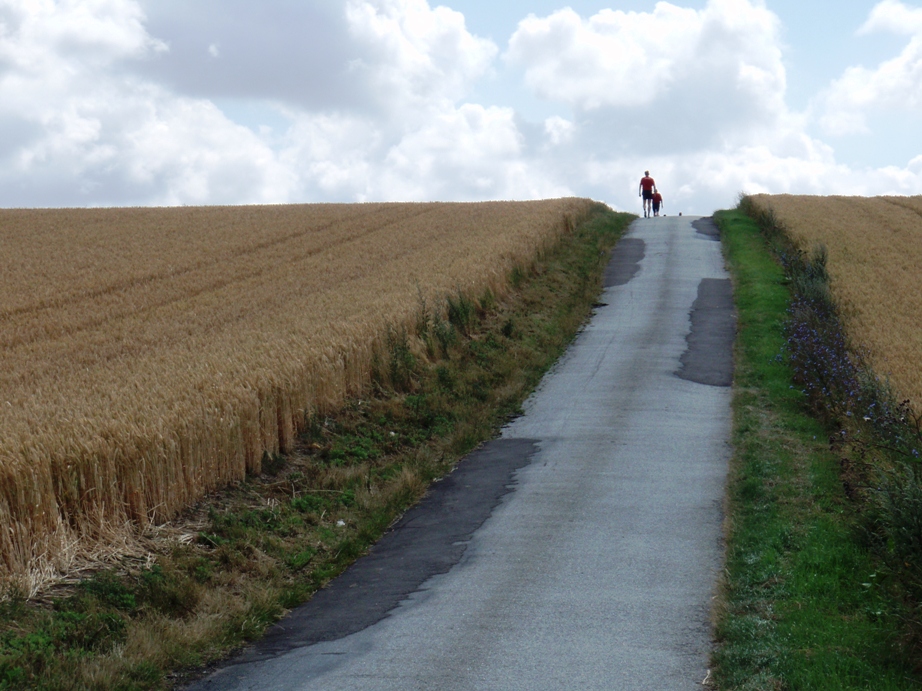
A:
(802, 605)
(236, 562)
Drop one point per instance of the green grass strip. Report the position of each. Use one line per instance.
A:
(801, 605)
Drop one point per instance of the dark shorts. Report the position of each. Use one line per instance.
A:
(656, 206)
(648, 194)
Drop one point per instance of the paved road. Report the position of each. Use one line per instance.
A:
(581, 550)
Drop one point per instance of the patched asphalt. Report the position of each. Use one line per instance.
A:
(624, 263)
(429, 539)
(582, 549)
(708, 359)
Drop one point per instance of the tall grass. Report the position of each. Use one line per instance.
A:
(148, 356)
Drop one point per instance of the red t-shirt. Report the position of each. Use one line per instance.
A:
(647, 183)
(657, 198)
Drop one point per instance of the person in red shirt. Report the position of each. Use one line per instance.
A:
(657, 201)
(646, 190)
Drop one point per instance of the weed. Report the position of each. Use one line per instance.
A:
(307, 503)
(299, 560)
(445, 335)
(401, 362)
(272, 463)
(110, 590)
(461, 313)
(487, 303)
(422, 314)
(173, 593)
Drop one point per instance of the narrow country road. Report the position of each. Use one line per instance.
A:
(579, 551)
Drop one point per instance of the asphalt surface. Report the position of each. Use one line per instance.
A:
(579, 551)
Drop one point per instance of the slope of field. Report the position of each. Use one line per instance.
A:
(148, 356)
(875, 251)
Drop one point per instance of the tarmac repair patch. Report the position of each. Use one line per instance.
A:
(429, 539)
(707, 228)
(625, 261)
(708, 359)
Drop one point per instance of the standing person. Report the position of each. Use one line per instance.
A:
(647, 186)
(657, 201)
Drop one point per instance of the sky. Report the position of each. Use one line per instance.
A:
(188, 102)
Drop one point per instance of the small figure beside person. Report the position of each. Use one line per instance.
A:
(652, 199)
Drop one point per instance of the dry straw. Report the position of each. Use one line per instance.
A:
(875, 251)
(148, 356)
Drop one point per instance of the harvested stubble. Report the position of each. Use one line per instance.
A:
(148, 356)
(875, 251)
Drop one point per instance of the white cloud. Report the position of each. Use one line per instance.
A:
(420, 141)
(673, 80)
(332, 155)
(613, 58)
(895, 17)
(78, 129)
(189, 152)
(296, 53)
(80, 81)
(894, 85)
(113, 147)
(469, 152)
(697, 97)
(40, 35)
(370, 55)
(558, 130)
(117, 102)
(635, 59)
(676, 90)
(700, 182)
(418, 54)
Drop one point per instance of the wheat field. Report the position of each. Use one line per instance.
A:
(150, 355)
(875, 255)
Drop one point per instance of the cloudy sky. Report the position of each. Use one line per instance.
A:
(163, 102)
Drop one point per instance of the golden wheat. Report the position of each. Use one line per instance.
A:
(148, 356)
(875, 255)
